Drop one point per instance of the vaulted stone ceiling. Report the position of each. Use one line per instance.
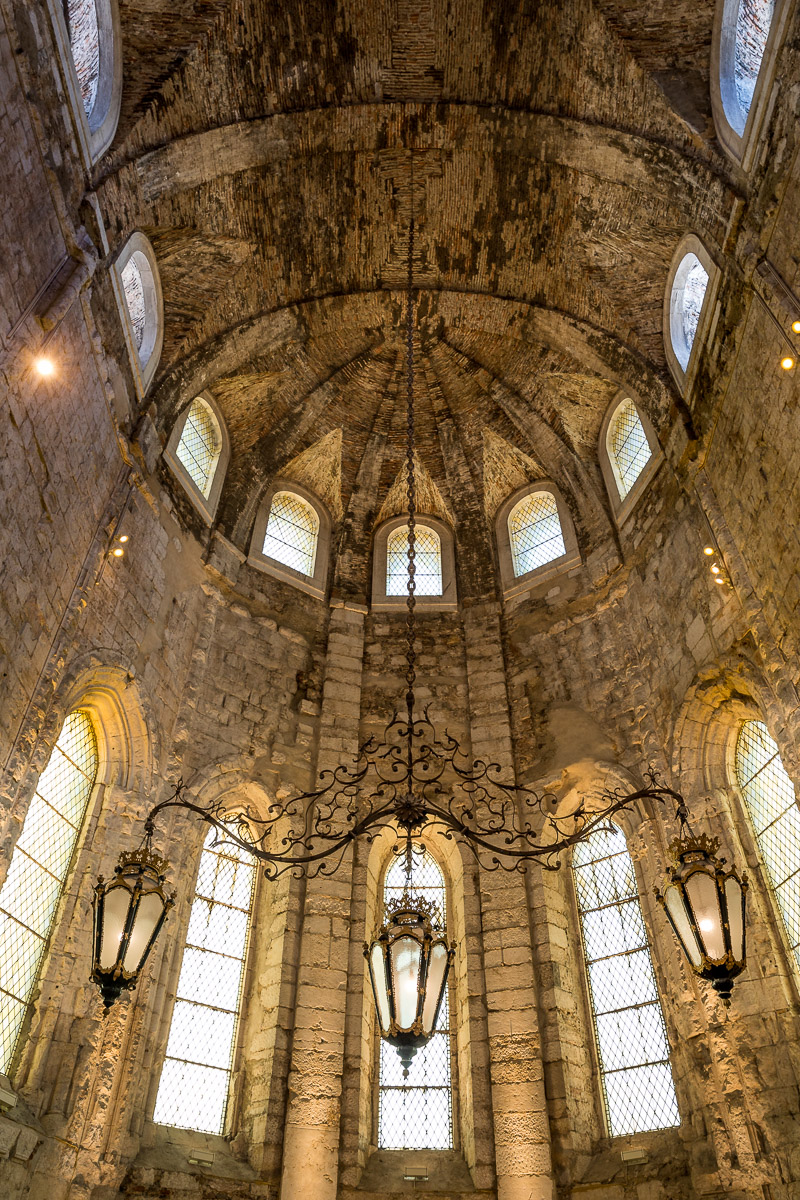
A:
(556, 162)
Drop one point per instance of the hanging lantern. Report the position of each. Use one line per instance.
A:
(705, 904)
(409, 961)
(128, 914)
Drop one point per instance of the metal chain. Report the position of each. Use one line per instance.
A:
(411, 482)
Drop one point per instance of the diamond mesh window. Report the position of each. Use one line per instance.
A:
(133, 287)
(753, 22)
(84, 43)
(772, 806)
(200, 445)
(292, 533)
(38, 870)
(631, 1036)
(196, 1075)
(427, 562)
(628, 446)
(416, 1113)
(535, 531)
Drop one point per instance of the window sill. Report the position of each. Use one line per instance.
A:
(286, 575)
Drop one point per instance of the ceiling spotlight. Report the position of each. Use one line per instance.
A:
(795, 326)
(708, 550)
(45, 367)
(787, 363)
(718, 579)
(118, 552)
(125, 537)
(715, 569)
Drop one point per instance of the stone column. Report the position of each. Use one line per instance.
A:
(311, 1145)
(521, 1126)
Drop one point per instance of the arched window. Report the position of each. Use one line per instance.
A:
(752, 30)
(292, 533)
(143, 306)
(417, 1113)
(769, 796)
(200, 445)
(686, 304)
(195, 1079)
(89, 37)
(627, 446)
(629, 1026)
(535, 533)
(427, 562)
(747, 35)
(38, 871)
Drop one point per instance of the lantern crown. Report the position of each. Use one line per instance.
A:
(410, 904)
(146, 858)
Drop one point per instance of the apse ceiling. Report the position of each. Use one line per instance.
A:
(554, 154)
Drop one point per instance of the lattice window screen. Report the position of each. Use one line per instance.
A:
(292, 533)
(631, 1037)
(427, 562)
(84, 42)
(416, 1113)
(200, 445)
(38, 870)
(133, 287)
(534, 528)
(628, 446)
(772, 806)
(196, 1076)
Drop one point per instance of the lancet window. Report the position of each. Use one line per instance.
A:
(632, 1046)
(200, 445)
(427, 562)
(416, 1113)
(535, 533)
(292, 533)
(195, 1081)
(38, 871)
(627, 445)
(84, 41)
(769, 796)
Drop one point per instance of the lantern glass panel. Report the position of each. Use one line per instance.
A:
(378, 971)
(733, 896)
(673, 900)
(701, 892)
(437, 966)
(115, 912)
(405, 955)
(148, 914)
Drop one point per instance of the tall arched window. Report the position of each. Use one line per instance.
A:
(93, 69)
(688, 293)
(292, 533)
(747, 36)
(195, 1079)
(38, 871)
(629, 1026)
(137, 271)
(627, 445)
(534, 530)
(771, 802)
(200, 445)
(417, 1113)
(427, 562)
(84, 42)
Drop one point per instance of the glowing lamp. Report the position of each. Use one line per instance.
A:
(409, 961)
(705, 904)
(129, 911)
(795, 326)
(787, 363)
(45, 367)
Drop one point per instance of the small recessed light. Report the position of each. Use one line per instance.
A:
(787, 363)
(795, 326)
(715, 569)
(124, 537)
(118, 552)
(718, 579)
(708, 550)
(45, 366)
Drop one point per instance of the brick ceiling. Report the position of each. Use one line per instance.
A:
(558, 152)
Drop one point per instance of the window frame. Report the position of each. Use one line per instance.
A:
(743, 147)
(206, 506)
(143, 361)
(623, 506)
(588, 998)
(514, 585)
(447, 601)
(315, 585)
(690, 243)
(94, 136)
